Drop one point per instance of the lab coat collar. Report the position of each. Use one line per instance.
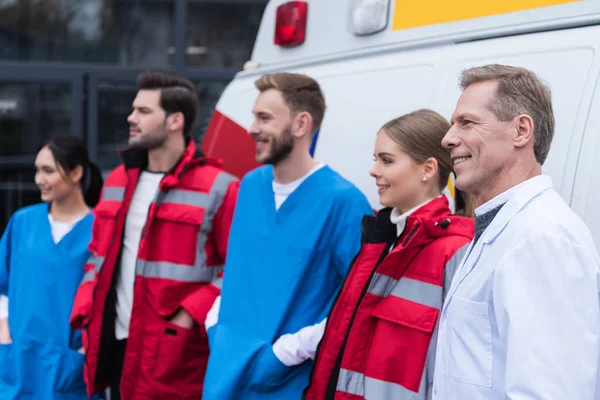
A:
(523, 194)
(526, 192)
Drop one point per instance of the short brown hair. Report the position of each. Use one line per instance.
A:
(519, 91)
(300, 92)
(420, 135)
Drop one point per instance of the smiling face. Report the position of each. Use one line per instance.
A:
(398, 176)
(481, 146)
(272, 128)
(54, 183)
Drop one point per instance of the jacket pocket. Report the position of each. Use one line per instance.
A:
(469, 347)
(400, 342)
(181, 358)
(103, 228)
(174, 235)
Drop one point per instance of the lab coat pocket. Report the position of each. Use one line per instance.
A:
(400, 361)
(470, 353)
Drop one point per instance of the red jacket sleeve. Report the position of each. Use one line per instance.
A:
(82, 305)
(219, 236)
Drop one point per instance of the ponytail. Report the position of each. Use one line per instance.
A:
(69, 152)
(91, 195)
(464, 203)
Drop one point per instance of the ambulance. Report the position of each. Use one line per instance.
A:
(379, 59)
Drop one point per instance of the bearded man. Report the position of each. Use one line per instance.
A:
(295, 231)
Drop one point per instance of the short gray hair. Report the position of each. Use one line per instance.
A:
(519, 91)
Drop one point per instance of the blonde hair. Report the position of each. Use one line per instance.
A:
(420, 135)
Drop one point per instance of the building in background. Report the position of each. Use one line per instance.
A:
(69, 66)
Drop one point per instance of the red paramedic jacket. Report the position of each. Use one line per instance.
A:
(379, 342)
(180, 259)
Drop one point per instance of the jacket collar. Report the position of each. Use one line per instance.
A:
(428, 222)
(137, 159)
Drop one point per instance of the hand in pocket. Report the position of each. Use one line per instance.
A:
(182, 319)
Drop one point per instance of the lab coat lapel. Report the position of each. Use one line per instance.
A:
(524, 195)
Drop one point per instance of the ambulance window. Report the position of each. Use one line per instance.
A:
(222, 33)
(208, 94)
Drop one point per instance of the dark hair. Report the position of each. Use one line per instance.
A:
(69, 152)
(177, 94)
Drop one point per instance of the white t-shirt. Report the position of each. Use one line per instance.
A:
(282, 191)
(145, 191)
(58, 230)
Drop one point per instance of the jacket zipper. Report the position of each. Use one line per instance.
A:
(333, 380)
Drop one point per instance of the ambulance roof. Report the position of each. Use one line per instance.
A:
(413, 23)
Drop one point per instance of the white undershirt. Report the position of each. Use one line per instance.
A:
(58, 230)
(283, 190)
(145, 191)
(400, 219)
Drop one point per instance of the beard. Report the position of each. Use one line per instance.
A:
(280, 147)
(149, 140)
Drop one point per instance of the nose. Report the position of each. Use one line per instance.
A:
(38, 179)
(375, 171)
(254, 130)
(451, 139)
(132, 118)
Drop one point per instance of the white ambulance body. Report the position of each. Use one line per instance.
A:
(414, 62)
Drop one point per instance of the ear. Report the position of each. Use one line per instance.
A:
(524, 127)
(430, 168)
(76, 174)
(303, 123)
(175, 122)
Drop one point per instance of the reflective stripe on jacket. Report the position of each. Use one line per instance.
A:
(180, 258)
(380, 337)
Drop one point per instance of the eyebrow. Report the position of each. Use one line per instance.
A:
(258, 113)
(141, 108)
(384, 154)
(461, 117)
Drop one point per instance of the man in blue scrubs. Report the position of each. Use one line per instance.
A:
(295, 231)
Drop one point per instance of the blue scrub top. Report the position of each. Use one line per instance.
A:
(41, 278)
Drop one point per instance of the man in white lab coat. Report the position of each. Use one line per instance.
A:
(522, 317)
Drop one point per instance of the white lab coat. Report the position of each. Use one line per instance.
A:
(522, 316)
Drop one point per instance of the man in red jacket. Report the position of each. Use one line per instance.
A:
(158, 246)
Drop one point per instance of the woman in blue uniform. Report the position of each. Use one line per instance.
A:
(42, 254)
